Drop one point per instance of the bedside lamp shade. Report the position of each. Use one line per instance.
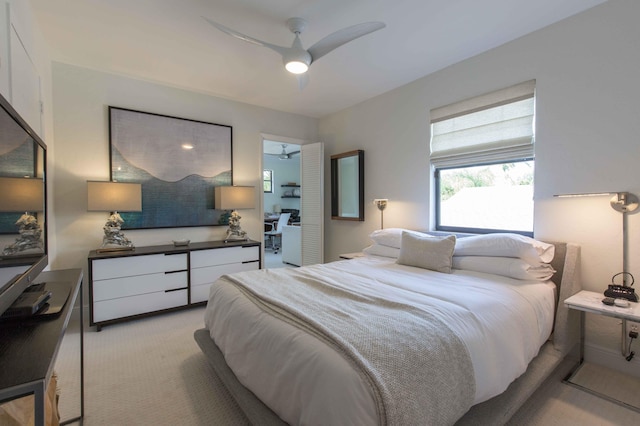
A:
(114, 196)
(234, 197)
(21, 194)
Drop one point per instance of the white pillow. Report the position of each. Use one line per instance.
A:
(380, 250)
(505, 266)
(427, 252)
(506, 245)
(392, 237)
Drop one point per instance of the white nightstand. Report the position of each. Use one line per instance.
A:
(591, 302)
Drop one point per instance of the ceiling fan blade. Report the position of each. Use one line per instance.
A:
(340, 37)
(280, 49)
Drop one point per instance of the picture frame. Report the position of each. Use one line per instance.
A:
(178, 161)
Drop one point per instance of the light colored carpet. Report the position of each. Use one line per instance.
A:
(151, 372)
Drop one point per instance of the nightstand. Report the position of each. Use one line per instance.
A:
(352, 255)
(591, 302)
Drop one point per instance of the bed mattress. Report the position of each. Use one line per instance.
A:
(502, 322)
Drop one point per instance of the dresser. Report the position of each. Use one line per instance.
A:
(124, 285)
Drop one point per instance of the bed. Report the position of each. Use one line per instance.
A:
(346, 342)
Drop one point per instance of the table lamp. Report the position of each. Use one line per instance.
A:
(234, 198)
(25, 195)
(113, 197)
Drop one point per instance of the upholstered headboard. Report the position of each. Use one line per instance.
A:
(566, 262)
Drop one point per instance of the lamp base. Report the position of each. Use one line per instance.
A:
(235, 232)
(114, 239)
(114, 248)
(29, 240)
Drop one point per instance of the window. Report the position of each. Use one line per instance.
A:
(267, 180)
(482, 153)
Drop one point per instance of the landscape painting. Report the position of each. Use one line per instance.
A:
(178, 162)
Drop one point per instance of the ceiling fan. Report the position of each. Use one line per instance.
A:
(296, 59)
(284, 155)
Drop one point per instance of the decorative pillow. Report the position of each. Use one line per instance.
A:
(506, 266)
(506, 245)
(392, 237)
(380, 250)
(427, 252)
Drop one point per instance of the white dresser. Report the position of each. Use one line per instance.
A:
(149, 280)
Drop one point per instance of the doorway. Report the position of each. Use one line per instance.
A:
(281, 195)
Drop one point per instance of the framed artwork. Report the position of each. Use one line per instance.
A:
(177, 161)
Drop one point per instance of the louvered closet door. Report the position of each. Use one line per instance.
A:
(312, 203)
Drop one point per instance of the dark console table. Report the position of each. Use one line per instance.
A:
(29, 346)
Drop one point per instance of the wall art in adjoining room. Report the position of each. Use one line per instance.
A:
(178, 162)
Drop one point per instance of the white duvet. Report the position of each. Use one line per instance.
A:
(502, 321)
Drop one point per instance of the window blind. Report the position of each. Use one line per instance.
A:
(494, 127)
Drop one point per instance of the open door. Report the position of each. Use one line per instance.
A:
(312, 203)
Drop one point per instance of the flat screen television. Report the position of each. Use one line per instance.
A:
(23, 224)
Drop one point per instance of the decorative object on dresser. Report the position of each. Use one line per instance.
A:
(155, 279)
(234, 198)
(188, 158)
(381, 203)
(23, 195)
(113, 197)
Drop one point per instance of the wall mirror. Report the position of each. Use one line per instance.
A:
(347, 186)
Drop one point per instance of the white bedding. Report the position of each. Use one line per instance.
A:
(502, 321)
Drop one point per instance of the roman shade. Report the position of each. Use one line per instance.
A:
(490, 128)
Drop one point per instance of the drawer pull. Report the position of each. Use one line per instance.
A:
(175, 289)
(175, 254)
(175, 272)
(250, 261)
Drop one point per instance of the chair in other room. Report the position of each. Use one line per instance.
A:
(275, 233)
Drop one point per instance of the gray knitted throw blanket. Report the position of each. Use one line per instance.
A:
(419, 370)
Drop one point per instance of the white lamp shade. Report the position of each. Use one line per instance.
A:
(234, 197)
(114, 196)
(21, 194)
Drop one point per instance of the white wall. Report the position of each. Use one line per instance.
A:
(81, 98)
(587, 140)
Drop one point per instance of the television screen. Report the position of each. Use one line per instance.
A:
(23, 230)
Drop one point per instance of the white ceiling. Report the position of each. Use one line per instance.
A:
(168, 42)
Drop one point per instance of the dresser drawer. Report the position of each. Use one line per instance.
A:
(141, 284)
(137, 265)
(141, 304)
(223, 256)
(202, 278)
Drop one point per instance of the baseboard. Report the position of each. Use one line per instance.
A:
(614, 359)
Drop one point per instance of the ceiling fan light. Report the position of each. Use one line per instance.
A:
(296, 67)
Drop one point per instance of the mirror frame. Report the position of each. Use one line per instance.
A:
(335, 180)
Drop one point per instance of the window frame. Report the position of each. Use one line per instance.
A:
(469, 230)
(270, 180)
